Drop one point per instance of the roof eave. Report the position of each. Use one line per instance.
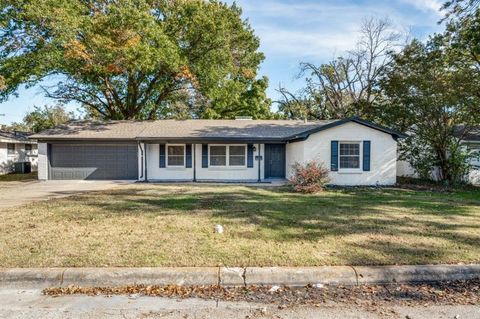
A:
(301, 137)
(74, 140)
(200, 139)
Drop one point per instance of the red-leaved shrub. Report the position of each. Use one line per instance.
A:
(310, 177)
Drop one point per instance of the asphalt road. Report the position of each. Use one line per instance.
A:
(30, 303)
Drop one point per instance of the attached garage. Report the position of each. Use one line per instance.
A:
(93, 161)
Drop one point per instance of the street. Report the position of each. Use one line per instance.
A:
(31, 303)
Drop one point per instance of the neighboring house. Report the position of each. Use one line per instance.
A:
(470, 140)
(356, 151)
(16, 147)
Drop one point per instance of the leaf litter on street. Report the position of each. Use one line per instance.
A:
(370, 297)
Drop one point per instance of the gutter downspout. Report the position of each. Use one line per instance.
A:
(141, 157)
(259, 161)
(49, 161)
(146, 178)
(194, 162)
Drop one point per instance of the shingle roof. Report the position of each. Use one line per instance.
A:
(231, 129)
(122, 130)
(281, 130)
(14, 136)
(473, 133)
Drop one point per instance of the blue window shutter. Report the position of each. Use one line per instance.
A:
(250, 155)
(366, 156)
(204, 155)
(334, 156)
(188, 153)
(162, 155)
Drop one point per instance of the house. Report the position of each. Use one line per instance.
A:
(470, 140)
(16, 147)
(356, 151)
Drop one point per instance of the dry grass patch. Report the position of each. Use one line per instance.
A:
(173, 225)
(13, 177)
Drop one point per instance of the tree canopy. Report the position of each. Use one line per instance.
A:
(347, 85)
(135, 59)
(42, 118)
(428, 95)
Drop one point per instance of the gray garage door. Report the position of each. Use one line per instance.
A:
(93, 161)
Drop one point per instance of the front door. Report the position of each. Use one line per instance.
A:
(274, 160)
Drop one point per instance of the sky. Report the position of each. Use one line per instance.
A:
(290, 32)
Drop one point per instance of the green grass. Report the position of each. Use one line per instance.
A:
(173, 225)
(18, 177)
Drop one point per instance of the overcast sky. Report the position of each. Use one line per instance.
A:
(292, 31)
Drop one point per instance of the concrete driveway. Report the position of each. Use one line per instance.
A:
(19, 193)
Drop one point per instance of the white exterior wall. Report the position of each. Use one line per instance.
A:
(229, 173)
(474, 175)
(155, 173)
(383, 154)
(294, 154)
(4, 165)
(42, 161)
(6, 161)
(405, 169)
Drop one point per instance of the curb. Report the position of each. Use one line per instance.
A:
(236, 276)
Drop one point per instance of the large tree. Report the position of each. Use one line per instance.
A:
(348, 85)
(459, 9)
(135, 59)
(428, 95)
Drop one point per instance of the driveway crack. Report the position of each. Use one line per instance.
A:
(356, 274)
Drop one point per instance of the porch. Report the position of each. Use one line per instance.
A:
(216, 161)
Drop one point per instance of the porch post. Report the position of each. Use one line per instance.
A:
(259, 162)
(194, 162)
(146, 156)
(140, 160)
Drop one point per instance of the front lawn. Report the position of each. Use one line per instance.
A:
(13, 177)
(173, 225)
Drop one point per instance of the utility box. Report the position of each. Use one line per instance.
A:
(23, 167)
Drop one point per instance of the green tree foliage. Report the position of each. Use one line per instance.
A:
(459, 9)
(135, 59)
(306, 105)
(427, 95)
(463, 38)
(239, 98)
(43, 118)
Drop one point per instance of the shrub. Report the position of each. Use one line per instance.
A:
(310, 177)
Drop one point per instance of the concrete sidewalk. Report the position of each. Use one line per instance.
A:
(19, 193)
(289, 276)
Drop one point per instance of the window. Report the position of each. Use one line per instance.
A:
(176, 155)
(228, 155)
(28, 148)
(11, 149)
(350, 155)
(218, 155)
(236, 156)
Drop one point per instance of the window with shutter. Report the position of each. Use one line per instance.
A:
(176, 155)
(349, 155)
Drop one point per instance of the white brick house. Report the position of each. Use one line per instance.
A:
(357, 152)
(16, 147)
